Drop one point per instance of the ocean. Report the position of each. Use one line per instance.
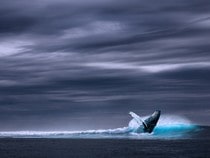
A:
(172, 137)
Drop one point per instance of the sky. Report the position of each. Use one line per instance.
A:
(84, 64)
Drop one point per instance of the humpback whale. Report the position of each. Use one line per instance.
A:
(149, 123)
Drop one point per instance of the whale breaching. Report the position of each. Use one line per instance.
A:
(149, 123)
(138, 128)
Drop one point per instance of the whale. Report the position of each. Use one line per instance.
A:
(149, 123)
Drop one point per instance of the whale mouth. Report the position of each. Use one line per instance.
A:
(169, 127)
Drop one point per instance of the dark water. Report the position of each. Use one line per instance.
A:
(194, 143)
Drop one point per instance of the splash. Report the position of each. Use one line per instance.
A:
(168, 127)
(174, 127)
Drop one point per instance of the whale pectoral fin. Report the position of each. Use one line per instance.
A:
(135, 117)
(138, 119)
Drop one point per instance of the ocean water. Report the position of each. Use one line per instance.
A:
(173, 137)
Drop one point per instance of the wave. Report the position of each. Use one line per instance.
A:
(168, 127)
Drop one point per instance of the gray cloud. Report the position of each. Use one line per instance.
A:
(82, 61)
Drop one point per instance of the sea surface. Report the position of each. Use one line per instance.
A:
(172, 137)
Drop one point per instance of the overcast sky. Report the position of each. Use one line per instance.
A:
(85, 64)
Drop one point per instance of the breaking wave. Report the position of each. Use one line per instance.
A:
(168, 127)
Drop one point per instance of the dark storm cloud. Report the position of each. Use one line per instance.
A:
(77, 61)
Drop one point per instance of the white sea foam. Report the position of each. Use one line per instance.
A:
(168, 126)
